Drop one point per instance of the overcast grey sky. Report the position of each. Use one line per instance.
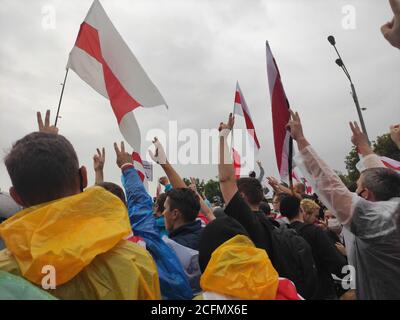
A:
(195, 51)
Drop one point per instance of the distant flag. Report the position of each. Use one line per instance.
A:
(102, 59)
(280, 117)
(299, 177)
(241, 109)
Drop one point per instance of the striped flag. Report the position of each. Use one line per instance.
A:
(280, 117)
(391, 163)
(102, 59)
(240, 108)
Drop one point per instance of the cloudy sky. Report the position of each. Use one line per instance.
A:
(195, 51)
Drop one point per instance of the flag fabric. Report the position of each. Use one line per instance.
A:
(280, 117)
(102, 59)
(391, 163)
(253, 146)
(138, 164)
(241, 108)
(299, 177)
(236, 163)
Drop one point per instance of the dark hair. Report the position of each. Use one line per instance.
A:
(114, 189)
(186, 201)
(43, 167)
(290, 207)
(252, 189)
(252, 174)
(279, 196)
(384, 183)
(265, 208)
(215, 234)
(160, 202)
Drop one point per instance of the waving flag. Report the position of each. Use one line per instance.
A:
(103, 60)
(240, 108)
(280, 117)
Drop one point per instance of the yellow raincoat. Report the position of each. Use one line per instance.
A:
(82, 238)
(238, 269)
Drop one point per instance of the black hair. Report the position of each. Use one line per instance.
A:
(43, 167)
(114, 189)
(186, 201)
(290, 207)
(252, 189)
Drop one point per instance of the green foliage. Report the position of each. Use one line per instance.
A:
(210, 188)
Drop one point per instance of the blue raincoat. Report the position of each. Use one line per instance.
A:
(174, 284)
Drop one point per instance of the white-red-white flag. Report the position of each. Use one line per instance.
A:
(252, 144)
(280, 117)
(103, 60)
(300, 178)
(391, 163)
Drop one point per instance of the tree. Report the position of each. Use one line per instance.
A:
(210, 188)
(383, 146)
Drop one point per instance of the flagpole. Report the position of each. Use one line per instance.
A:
(290, 160)
(62, 93)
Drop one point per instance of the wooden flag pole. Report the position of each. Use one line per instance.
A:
(61, 96)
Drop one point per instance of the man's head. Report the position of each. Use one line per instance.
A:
(299, 188)
(44, 167)
(114, 189)
(252, 174)
(181, 206)
(290, 207)
(163, 180)
(276, 201)
(251, 191)
(378, 184)
(310, 210)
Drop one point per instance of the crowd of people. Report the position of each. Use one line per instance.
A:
(64, 240)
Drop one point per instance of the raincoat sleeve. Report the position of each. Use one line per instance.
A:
(327, 185)
(174, 284)
(372, 161)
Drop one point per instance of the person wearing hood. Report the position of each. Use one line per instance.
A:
(69, 240)
(369, 213)
(233, 268)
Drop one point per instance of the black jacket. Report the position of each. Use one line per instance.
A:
(327, 259)
(188, 235)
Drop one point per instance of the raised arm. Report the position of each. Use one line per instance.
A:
(98, 165)
(226, 170)
(391, 29)
(395, 134)
(175, 179)
(140, 203)
(327, 185)
(203, 206)
(161, 158)
(261, 176)
(360, 141)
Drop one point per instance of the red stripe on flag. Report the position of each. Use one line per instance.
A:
(388, 165)
(88, 40)
(136, 157)
(280, 118)
(236, 163)
(237, 98)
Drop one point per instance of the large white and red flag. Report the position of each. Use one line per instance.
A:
(252, 144)
(103, 60)
(387, 162)
(280, 118)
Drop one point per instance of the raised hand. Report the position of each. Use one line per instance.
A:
(294, 126)
(395, 134)
(123, 157)
(99, 159)
(391, 30)
(192, 184)
(46, 127)
(359, 139)
(159, 156)
(225, 128)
